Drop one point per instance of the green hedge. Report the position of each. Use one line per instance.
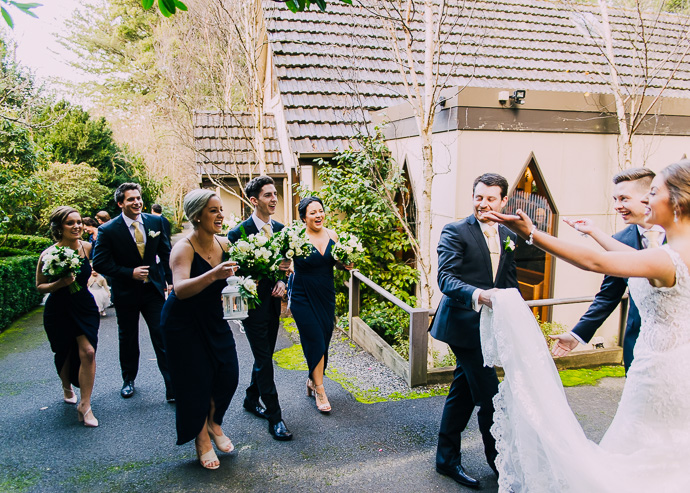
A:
(11, 252)
(30, 244)
(18, 292)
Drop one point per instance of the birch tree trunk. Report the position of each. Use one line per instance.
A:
(624, 141)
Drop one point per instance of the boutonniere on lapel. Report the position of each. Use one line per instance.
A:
(508, 244)
(153, 234)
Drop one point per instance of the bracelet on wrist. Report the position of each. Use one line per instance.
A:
(530, 240)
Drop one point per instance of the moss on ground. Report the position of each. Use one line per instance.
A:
(24, 334)
(589, 376)
(15, 481)
(289, 325)
(291, 358)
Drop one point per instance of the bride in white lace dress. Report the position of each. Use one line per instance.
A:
(541, 445)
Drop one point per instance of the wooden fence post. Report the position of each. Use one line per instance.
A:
(419, 340)
(354, 300)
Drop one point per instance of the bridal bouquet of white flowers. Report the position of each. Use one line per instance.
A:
(257, 257)
(59, 262)
(348, 249)
(249, 292)
(292, 241)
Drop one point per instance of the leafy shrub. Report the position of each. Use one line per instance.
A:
(18, 292)
(550, 328)
(32, 244)
(389, 321)
(11, 252)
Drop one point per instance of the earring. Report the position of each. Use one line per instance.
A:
(675, 216)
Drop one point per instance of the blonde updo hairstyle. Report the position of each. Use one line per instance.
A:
(677, 179)
(194, 203)
(57, 217)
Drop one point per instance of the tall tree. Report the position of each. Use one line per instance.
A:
(419, 34)
(640, 47)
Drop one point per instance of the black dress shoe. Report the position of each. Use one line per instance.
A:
(279, 431)
(458, 474)
(255, 408)
(127, 389)
(169, 396)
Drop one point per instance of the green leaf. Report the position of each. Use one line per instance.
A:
(321, 4)
(292, 6)
(170, 5)
(7, 17)
(164, 9)
(181, 6)
(26, 6)
(147, 4)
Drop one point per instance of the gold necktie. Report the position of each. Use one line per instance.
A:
(266, 228)
(494, 250)
(652, 238)
(139, 238)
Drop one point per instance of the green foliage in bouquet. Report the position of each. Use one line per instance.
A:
(59, 262)
(292, 241)
(257, 256)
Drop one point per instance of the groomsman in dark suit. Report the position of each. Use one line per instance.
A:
(126, 251)
(475, 258)
(630, 187)
(261, 327)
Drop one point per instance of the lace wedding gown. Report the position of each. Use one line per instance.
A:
(541, 445)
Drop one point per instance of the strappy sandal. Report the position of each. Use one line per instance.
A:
(91, 422)
(207, 459)
(223, 443)
(321, 400)
(69, 400)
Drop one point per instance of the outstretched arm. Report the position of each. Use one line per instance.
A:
(653, 264)
(587, 227)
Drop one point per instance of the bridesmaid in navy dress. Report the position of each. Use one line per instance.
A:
(312, 297)
(198, 342)
(71, 320)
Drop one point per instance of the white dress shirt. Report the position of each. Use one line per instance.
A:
(129, 223)
(484, 226)
(259, 223)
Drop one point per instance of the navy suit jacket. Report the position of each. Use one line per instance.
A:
(610, 294)
(117, 256)
(464, 264)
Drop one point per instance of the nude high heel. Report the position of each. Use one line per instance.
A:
(207, 459)
(90, 422)
(69, 400)
(310, 388)
(322, 403)
(223, 443)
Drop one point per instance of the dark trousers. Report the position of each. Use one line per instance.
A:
(473, 385)
(261, 328)
(149, 304)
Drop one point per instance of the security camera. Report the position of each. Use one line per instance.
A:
(518, 97)
(503, 97)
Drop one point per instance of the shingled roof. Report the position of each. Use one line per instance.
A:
(333, 68)
(224, 144)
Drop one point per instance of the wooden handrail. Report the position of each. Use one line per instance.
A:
(416, 372)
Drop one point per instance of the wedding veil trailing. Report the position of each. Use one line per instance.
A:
(541, 445)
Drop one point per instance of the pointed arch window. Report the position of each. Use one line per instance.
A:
(534, 267)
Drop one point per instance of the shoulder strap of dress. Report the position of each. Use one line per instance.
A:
(192, 244)
(219, 243)
(681, 268)
(83, 250)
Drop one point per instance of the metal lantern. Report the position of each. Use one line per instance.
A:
(234, 305)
